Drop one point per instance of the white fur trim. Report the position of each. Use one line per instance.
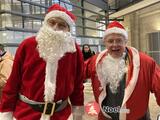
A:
(60, 14)
(60, 46)
(131, 86)
(115, 30)
(103, 93)
(50, 81)
(50, 84)
(136, 67)
(6, 116)
(122, 115)
(70, 117)
(100, 56)
(45, 117)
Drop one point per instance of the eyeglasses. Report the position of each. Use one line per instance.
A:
(61, 24)
(115, 42)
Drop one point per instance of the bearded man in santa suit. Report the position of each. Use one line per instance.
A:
(122, 78)
(46, 82)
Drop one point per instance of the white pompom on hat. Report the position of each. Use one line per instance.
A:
(115, 27)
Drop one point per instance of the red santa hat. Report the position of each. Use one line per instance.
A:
(58, 11)
(115, 27)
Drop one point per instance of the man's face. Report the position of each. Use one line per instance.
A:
(115, 43)
(58, 24)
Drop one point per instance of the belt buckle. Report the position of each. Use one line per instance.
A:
(47, 103)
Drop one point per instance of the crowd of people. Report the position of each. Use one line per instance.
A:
(46, 79)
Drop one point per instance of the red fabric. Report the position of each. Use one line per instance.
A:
(148, 81)
(115, 24)
(102, 117)
(130, 67)
(90, 72)
(28, 77)
(60, 8)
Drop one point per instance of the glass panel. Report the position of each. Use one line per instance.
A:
(154, 46)
(27, 9)
(11, 49)
(156, 56)
(16, 6)
(90, 32)
(28, 23)
(16, 22)
(79, 31)
(37, 24)
(13, 36)
(8, 20)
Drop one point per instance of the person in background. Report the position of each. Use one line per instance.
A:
(122, 78)
(46, 82)
(6, 62)
(87, 52)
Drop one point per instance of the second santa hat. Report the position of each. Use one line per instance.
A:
(115, 27)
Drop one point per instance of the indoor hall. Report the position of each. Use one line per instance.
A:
(20, 19)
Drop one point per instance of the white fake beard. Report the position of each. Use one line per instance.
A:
(111, 71)
(52, 45)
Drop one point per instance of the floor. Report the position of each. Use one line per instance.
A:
(154, 108)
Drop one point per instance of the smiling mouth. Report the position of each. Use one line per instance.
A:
(117, 50)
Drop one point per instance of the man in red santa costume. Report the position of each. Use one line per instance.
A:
(122, 78)
(46, 79)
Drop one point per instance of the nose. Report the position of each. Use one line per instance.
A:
(56, 27)
(115, 43)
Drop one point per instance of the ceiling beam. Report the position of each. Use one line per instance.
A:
(99, 3)
(137, 6)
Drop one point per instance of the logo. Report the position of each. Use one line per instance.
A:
(92, 108)
(117, 109)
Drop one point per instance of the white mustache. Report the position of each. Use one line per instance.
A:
(53, 44)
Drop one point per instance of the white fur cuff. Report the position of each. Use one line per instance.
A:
(6, 116)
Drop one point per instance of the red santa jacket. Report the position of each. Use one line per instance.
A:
(143, 78)
(27, 78)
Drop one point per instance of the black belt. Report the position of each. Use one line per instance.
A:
(47, 108)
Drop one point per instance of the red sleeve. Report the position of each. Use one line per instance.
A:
(77, 97)
(156, 81)
(86, 73)
(90, 72)
(11, 89)
(89, 67)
